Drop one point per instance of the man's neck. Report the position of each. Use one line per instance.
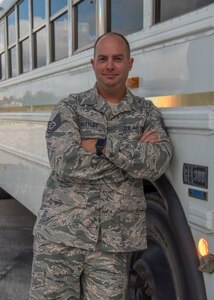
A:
(112, 95)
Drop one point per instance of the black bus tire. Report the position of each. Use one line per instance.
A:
(4, 194)
(160, 263)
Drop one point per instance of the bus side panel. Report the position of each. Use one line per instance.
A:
(24, 166)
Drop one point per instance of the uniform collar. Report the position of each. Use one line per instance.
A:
(93, 98)
(90, 97)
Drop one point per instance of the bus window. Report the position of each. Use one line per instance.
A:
(25, 56)
(59, 29)
(126, 16)
(23, 19)
(2, 46)
(23, 29)
(11, 32)
(2, 66)
(56, 5)
(167, 9)
(2, 52)
(12, 62)
(38, 13)
(40, 48)
(11, 29)
(39, 33)
(85, 23)
(60, 37)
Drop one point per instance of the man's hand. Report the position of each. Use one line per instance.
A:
(150, 136)
(89, 145)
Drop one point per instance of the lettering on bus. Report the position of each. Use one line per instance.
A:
(195, 175)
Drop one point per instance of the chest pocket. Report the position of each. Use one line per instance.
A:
(133, 127)
(91, 123)
(132, 132)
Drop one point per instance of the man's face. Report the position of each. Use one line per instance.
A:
(111, 62)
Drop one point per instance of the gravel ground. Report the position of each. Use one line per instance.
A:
(16, 243)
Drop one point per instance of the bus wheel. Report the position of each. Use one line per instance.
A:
(157, 273)
(4, 195)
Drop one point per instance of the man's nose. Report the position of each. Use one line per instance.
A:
(110, 64)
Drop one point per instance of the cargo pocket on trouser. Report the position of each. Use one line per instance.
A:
(55, 286)
(105, 276)
(133, 223)
(58, 280)
(62, 273)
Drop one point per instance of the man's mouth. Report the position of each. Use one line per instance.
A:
(111, 76)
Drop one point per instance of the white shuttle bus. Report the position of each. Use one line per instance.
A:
(45, 49)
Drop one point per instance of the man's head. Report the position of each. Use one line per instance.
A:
(117, 35)
(111, 63)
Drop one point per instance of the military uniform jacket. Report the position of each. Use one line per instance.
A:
(88, 195)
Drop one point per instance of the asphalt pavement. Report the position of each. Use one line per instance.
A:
(16, 250)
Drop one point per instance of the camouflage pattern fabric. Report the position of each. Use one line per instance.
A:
(59, 271)
(87, 192)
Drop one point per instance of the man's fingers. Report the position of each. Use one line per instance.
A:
(147, 134)
(150, 136)
(154, 139)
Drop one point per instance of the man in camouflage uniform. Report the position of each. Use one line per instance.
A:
(101, 144)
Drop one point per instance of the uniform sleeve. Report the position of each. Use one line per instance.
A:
(142, 159)
(66, 157)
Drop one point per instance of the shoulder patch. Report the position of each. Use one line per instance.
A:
(54, 124)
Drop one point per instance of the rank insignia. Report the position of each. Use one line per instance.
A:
(54, 124)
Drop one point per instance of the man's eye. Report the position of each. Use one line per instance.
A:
(118, 58)
(102, 59)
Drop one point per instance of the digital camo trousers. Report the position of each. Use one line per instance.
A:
(67, 273)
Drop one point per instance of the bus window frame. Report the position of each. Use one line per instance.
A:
(51, 21)
(21, 61)
(3, 52)
(157, 12)
(58, 12)
(22, 38)
(10, 46)
(75, 48)
(35, 45)
(109, 18)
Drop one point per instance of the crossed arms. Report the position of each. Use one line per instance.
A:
(71, 156)
(150, 136)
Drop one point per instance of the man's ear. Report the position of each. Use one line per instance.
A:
(131, 61)
(92, 62)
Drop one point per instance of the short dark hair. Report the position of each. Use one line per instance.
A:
(114, 34)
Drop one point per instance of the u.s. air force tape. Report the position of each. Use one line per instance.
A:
(54, 124)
